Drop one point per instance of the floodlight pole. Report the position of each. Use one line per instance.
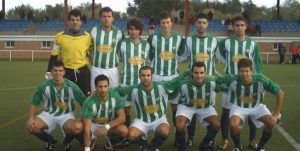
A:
(66, 12)
(93, 9)
(278, 9)
(187, 16)
(3, 8)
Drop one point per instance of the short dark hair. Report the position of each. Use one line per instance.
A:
(57, 64)
(106, 9)
(165, 15)
(101, 77)
(136, 23)
(146, 68)
(202, 15)
(238, 18)
(244, 62)
(198, 64)
(74, 12)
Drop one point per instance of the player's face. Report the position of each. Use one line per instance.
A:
(201, 25)
(166, 25)
(134, 32)
(198, 75)
(58, 73)
(146, 77)
(102, 88)
(246, 74)
(107, 19)
(75, 23)
(239, 28)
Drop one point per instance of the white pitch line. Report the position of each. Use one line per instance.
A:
(22, 88)
(288, 137)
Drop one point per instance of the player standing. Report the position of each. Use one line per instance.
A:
(232, 49)
(73, 45)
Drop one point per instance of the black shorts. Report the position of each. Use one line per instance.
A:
(81, 77)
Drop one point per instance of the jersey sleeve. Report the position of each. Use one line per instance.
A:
(87, 111)
(79, 96)
(269, 85)
(222, 83)
(182, 54)
(151, 51)
(120, 104)
(220, 52)
(119, 50)
(172, 86)
(56, 46)
(257, 59)
(37, 97)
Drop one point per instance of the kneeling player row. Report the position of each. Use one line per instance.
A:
(103, 112)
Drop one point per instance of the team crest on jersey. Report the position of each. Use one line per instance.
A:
(105, 48)
(151, 108)
(246, 99)
(136, 60)
(61, 105)
(236, 58)
(101, 120)
(166, 55)
(199, 102)
(202, 57)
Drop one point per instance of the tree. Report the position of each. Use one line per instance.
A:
(147, 8)
(19, 12)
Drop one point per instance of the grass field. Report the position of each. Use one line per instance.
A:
(19, 79)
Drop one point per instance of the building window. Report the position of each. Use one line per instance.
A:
(10, 44)
(275, 47)
(46, 44)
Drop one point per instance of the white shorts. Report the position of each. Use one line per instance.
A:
(159, 78)
(94, 127)
(202, 114)
(111, 73)
(146, 127)
(53, 121)
(225, 100)
(253, 113)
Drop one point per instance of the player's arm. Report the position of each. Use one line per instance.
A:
(31, 120)
(53, 57)
(87, 134)
(258, 63)
(279, 102)
(220, 52)
(87, 116)
(275, 89)
(79, 96)
(182, 52)
(35, 101)
(151, 50)
(119, 120)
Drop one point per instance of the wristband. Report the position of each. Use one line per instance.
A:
(87, 149)
(107, 126)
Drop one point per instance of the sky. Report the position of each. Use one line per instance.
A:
(116, 5)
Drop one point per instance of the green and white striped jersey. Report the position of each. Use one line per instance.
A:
(201, 96)
(58, 102)
(150, 105)
(105, 47)
(251, 95)
(202, 49)
(133, 56)
(165, 53)
(102, 112)
(231, 50)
